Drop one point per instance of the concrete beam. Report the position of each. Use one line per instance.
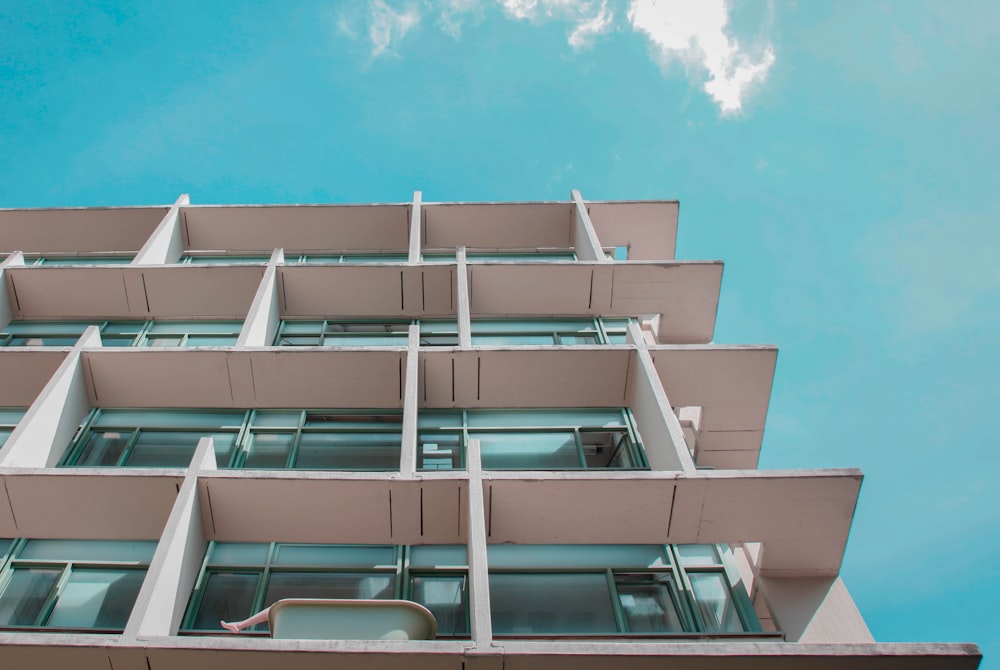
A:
(462, 278)
(480, 615)
(415, 219)
(408, 460)
(588, 246)
(166, 243)
(261, 323)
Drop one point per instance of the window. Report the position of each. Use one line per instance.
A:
(555, 439)
(239, 579)
(615, 590)
(541, 332)
(259, 439)
(385, 333)
(9, 418)
(222, 259)
(352, 258)
(515, 256)
(80, 260)
(70, 585)
(122, 333)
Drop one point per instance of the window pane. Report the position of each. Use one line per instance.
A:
(513, 339)
(299, 341)
(277, 419)
(426, 419)
(329, 585)
(39, 341)
(544, 418)
(228, 596)
(123, 328)
(361, 340)
(445, 597)
(22, 600)
(551, 604)
(346, 421)
(53, 327)
(306, 555)
(649, 603)
(698, 554)
(576, 555)
(103, 448)
(348, 451)
(136, 551)
(438, 555)
(301, 327)
(528, 451)
(163, 450)
(96, 599)
(169, 419)
(4, 434)
(573, 340)
(239, 553)
(211, 340)
(439, 451)
(606, 449)
(4, 546)
(269, 450)
(711, 593)
(10, 417)
(197, 327)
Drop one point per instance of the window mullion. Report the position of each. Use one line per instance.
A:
(50, 601)
(616, 603)
(127, 451)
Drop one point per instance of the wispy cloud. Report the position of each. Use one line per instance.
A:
(695, 32)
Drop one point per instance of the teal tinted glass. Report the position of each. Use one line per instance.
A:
(277, 419)
(96, 599)
(432, 419)
(348, 451)
(269, 451)
(439, 555)
(226, 260)
(513, 339)
(301, 327)
(4, 434)
(48, 327)
(11, 416)
(714, 602)
(156, 449)
(228, 596)
(24, 595)
(350, 586)
(86, 260)
(320, 555)
(650, 604)
(103, 448)
(439, 451)
(528, 451)
(170, 419)
(239, 553)
(698, 554)
(375, 258)
(129, 551)
(544, 418)
(205, 327)
(445, 597)
(531, 325)
(4, 546)
(577, 556)
(551, 604)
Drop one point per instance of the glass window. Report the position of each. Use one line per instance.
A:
(551, 604)
(191, 334)
(535, 332)
(348, 258)
(223, 259)
(343, 334)
(521, 256)
(83, 585)
(78, 260)
(9, 418)
(241, 579)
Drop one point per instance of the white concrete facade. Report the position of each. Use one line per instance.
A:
(698, 408)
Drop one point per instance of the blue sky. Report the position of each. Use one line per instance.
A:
(841, 157)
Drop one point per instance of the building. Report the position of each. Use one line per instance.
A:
(511, 413)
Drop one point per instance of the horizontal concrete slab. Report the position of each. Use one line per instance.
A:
(25, 372)
(77, 230)
(497, 225)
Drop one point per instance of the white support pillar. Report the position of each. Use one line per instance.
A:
(588, 246)
(161, 602)
(690, 420)
(53, 418)
(480, 615)
(166, 243)
(261, 324)
(415, 218)
(464, 322)
(662, 435)
(15, 260)
(408, 459)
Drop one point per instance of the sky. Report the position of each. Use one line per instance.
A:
(842, 158)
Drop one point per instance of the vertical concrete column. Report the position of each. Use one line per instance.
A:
(15, 260)
(166, 243)
(261, 324)
(588, 247)
(690, 420)
(480, 615)
(415, 218)
(662, 435)
(50, 423)
(464, 322)
(161, 602)
(408, 460)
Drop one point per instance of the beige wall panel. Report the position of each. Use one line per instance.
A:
(649, 229)
(198, 291)
(78, 230)
(498, 226)
(23, 374)
(566, 377)
(152, 378)
(686, 294)
(117, 506)
(731, 441)
(334, 291)
(71, 292)
(298, 228)
(728, 460)
(581, 511)
(325, 379)
(296, 510)
(732, 384)
(508, 289)
(444, 505)
(439, 291)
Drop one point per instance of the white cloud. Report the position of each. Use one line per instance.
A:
(453, 12)
(695, 32)
(584, 32)
(587, 17)
(387, 26)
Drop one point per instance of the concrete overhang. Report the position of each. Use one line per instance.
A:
(383, 290)
(132, 292)
(73, 503)
(245, 378)
(733, 386)
(686, 293)
(77, 230)
(648, 228)
(508, 225)
(261, 228)
(94, 652)
(802, 517)
(25, 371)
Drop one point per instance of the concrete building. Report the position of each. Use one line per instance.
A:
(512, 413)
